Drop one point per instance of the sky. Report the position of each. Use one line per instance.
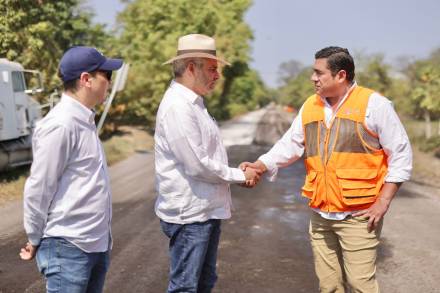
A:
(295, 29)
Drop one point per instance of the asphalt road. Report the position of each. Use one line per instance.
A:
(263, 248)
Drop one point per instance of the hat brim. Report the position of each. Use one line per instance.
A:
(196, 55)
(111, 64)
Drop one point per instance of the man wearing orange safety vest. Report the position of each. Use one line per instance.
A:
(357, 154)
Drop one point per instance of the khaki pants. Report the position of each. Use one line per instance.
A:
(344, 251)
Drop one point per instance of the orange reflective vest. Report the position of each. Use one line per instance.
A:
(345, 163)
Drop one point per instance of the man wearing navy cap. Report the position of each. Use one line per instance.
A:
(67, 197)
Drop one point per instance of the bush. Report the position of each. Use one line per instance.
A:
(236, 109)
(431, 144)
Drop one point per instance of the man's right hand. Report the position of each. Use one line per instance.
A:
(28, 252)
(252, 177)
(255, 165)
(258, 167)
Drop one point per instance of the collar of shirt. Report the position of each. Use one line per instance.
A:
(79, 110)
(186, 92)
(324, 100)
(328, 109)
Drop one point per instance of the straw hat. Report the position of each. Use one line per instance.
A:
(196, 46)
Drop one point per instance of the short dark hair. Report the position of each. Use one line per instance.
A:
(72, 85)
(338, 59)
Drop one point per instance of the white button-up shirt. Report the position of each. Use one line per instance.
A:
(68, 193)
(381, 118)
(192, 172)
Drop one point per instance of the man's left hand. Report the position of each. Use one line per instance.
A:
(374, 213)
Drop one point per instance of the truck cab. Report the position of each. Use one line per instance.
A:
(18, 112)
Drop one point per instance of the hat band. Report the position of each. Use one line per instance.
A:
(181, 52)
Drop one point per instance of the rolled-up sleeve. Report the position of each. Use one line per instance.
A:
(184, 137)
(393, 139)
(50, 148)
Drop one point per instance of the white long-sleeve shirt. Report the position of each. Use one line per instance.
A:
(381, 118)
(68, 193)
(192, 172)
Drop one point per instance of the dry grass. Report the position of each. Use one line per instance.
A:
(128, 141)
(12, 184)
(117, 148)
(426, 168)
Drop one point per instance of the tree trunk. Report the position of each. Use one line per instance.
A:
(438, 128)
(229, 73)
(428, 130)
(223, 99)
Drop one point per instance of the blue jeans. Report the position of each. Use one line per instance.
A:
(69, 269)
(193, 253)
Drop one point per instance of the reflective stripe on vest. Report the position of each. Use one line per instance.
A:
(345, 164)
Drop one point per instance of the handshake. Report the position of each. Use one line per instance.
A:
(252, 172)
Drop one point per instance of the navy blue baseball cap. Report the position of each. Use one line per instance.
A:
(79, 59)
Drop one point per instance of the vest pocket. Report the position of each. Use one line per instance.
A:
(358, 186)
(309, 187)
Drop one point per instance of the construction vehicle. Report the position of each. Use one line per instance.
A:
(19, 110)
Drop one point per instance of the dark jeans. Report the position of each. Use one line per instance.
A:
(193, 255)
(69, 269)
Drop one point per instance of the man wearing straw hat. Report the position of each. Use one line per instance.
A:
(192, 172)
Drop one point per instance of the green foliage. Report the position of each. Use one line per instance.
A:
(371, 72)
(430, 144)
(297, 89)
(237, 109)
(374, 73)
(289, 70)
(425, 92)
(399, 93)
(36, 33)
(149, 38)
(248, 91)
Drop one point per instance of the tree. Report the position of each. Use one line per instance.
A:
(435, 56)
(426, 91)
(297, 90)
(289, 70)
(149, 33)
(36, 33)
(247, 92)
(374, 73)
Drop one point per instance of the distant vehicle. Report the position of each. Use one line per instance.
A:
(19, 111)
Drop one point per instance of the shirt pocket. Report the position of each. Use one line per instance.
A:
(212, 139)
